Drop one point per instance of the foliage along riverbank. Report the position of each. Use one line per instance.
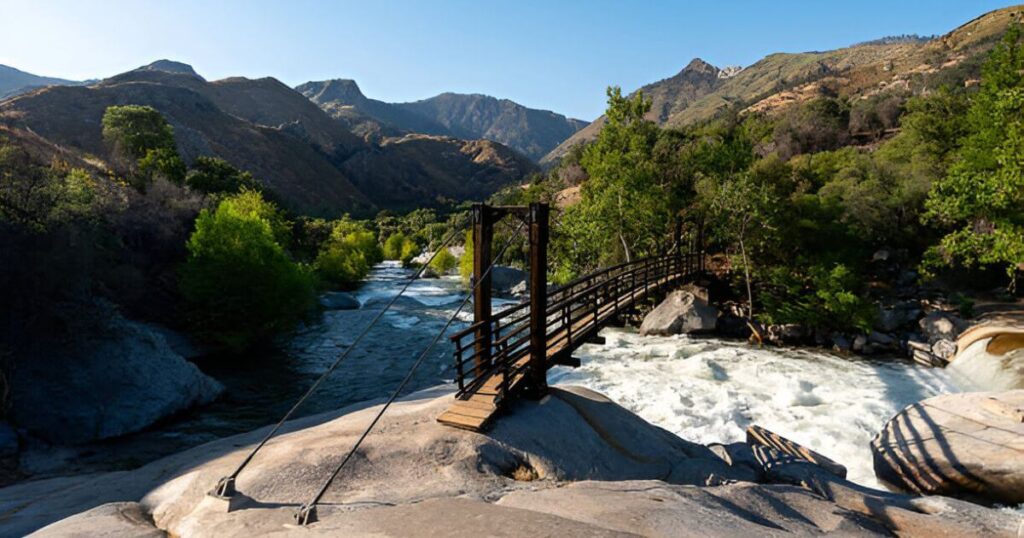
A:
(816, 224)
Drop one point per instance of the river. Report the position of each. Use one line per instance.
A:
(703, 389)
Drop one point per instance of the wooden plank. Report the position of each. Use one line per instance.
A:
(473, 411)
(461, 421)
(465, 411)
(487, 405)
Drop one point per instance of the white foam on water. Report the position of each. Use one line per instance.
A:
(708, 391)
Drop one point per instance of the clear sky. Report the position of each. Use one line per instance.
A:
(552, 54)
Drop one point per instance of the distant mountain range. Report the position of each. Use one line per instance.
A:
(312, 161)
(910, 64)
(326, 148)
(471, 116)
(14, 81)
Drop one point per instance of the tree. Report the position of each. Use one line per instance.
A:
(400, 247)
(347, 257)
(623, 211)
(239, 281)
(213, 175)
(444, 262)
(739, 209)
(981, 199)
(143, 136)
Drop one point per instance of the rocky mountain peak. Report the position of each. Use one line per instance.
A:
(698, 65)
(171, 66)
(340, 90)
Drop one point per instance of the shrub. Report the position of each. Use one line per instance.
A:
(240, 283)
(466, 261)
(444, 262)
(212, 175)
(347, 257)
(400, 247)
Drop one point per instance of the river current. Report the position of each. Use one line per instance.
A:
(703, 389)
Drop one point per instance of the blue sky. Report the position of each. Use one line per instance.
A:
(557, 55)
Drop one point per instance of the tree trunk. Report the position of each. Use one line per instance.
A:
(746, 273)
(625, 248)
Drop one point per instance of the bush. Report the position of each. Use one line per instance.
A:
(826, 297)
(240, 283)
(466, 261)
(444, 262)
(212, 175)
(399, 247)
(347, 257)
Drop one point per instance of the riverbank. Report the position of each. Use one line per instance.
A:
(572, 464)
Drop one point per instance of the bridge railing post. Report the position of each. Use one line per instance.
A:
(538, 298)
(483, 232)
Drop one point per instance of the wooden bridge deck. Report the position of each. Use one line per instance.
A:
(474, 409)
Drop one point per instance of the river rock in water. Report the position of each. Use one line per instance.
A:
(117, 380)
(338, 300)
(683, 311)
(966, 445)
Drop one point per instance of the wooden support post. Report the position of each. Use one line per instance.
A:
(538, 298)
(483, 232)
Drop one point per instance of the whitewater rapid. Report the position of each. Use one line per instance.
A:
(710, 390)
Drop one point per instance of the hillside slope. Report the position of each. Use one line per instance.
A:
(313, 162)
(469, 116)
(911, 66)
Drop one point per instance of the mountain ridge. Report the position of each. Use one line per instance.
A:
(291, 145)
(14, 81)
(532, 132)
(782, 79)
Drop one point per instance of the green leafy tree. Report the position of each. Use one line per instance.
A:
(740, 211)
(239, 281)
(400, 247)
(623, 211)
(213, 175)
(981, 199)
(466, 261)
(347, 257)
(444, 262)
(142, 135)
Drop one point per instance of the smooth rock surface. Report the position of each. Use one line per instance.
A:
(968, 445)
(114, 520)
(683, 311)
(990, 355)
(122, 379)
(338, 300)
(597, 470)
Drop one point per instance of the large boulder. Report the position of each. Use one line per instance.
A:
(119, 379)
(940, 325)
(968, 445)
(573, 464)
(505, 279)
(683, 311)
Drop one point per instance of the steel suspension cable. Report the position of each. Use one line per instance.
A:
(307, 512)
(226, 486)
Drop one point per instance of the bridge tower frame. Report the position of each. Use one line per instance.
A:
(484, 219)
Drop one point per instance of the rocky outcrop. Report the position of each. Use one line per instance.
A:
(505, 279)
(120, 379)
(684, 311)
(597, 470)
(967, 445)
